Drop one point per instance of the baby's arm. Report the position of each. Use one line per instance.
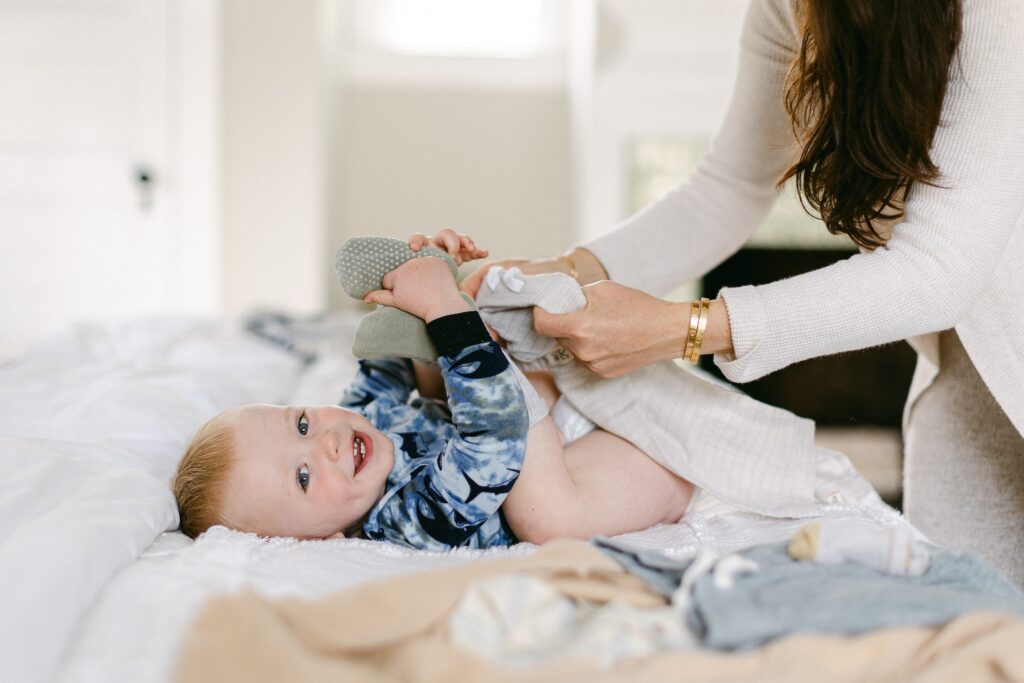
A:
(425, 288)
(429, 382)
(450, 497)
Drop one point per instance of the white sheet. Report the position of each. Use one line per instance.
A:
(91, 425)
(92, 421)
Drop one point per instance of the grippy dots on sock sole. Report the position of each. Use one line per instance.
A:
(361, 263)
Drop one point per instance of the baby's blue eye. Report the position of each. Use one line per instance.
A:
(302, 476)
(303, 424)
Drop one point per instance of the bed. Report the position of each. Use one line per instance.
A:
(95, 582)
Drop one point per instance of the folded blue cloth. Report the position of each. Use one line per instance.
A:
(785, 596)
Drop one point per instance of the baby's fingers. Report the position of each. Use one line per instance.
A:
(417, 241)
(380, 296)
(469, 249)
(448, 240)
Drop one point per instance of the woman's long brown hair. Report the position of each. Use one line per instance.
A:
(864, 95)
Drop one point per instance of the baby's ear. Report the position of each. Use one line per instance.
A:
(340, 534)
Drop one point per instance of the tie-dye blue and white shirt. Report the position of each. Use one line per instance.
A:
(455, 461)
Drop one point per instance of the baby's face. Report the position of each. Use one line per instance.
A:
(302, 472)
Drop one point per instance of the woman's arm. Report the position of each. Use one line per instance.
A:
(622, 329)
(934, 269)
(699, 224)
(953, 238)
(689, 230)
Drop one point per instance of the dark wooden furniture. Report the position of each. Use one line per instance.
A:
(860, 388)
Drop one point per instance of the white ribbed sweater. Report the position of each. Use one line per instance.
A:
(956, 260)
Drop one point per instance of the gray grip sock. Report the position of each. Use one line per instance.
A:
(389, 332)
(361, 263)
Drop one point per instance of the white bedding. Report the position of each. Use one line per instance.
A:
(91, 424)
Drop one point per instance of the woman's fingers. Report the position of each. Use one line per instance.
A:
(561, 326)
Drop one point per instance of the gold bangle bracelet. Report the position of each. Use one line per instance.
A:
(572, 267)
(702, 326)
(691, 332)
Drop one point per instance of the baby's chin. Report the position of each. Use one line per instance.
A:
(384, 450)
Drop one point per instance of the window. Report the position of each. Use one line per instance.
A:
(460, 28)
(658, 165)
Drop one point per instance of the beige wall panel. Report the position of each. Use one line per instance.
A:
(274, 155)
(494, 164)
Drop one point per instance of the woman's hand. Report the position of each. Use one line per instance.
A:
(471, 284)
(459, 247)
(588, 268)
(620, 329)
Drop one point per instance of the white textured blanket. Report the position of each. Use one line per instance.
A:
(92, 421)
(91, 424)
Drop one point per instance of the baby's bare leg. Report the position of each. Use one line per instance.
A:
(598, 484)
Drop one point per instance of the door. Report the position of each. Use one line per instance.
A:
(84, 206)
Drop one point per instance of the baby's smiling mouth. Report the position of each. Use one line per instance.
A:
(362, 449)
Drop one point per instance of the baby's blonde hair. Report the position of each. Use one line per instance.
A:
(202, 476)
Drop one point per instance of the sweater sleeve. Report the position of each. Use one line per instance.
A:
(710, 216)
(952, 239)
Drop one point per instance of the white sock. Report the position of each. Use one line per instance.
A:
(887, 549)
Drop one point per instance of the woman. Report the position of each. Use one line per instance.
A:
(903, 125)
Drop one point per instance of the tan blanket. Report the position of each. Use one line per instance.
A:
(396, 630)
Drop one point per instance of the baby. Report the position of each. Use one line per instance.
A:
(426, 457)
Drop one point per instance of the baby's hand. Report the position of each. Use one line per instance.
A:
(459, 247)
(421, 286)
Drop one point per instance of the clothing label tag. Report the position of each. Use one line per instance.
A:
(559, 356)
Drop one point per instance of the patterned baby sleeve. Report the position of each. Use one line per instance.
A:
(388, 380)
(447, 502)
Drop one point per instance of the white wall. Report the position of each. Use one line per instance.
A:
(195, 154)
(294, 138)
(95, 91)
(660, 69)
